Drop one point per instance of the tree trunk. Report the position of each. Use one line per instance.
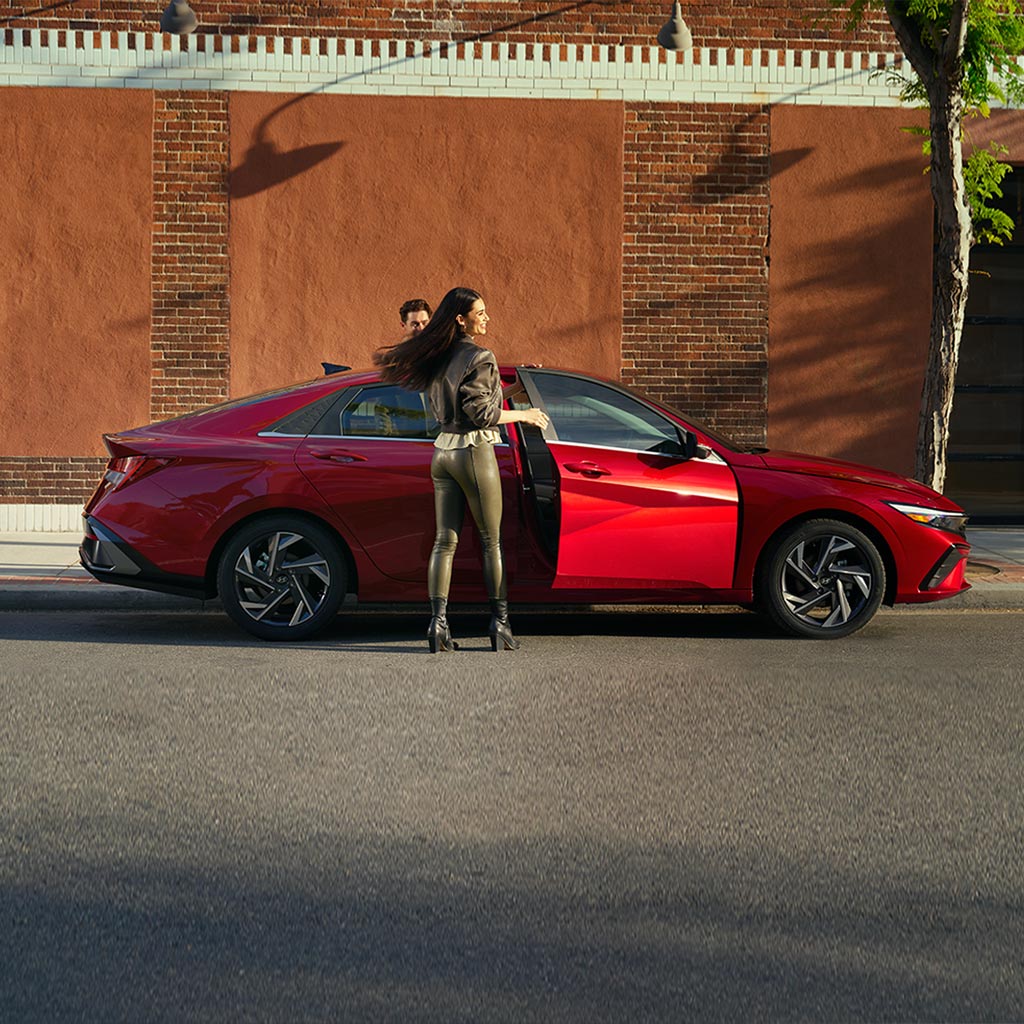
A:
(949, 283)
(937, 57)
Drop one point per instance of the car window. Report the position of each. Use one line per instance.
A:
(383, 410)
(586, 412)
(304, 420)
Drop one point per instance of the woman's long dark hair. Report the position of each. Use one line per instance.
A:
(415, 362)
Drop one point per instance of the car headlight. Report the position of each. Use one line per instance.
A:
(953, 522)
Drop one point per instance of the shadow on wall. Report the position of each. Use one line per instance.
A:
(21, 15)
(329, 927)
(850, 308)
(730, 177)
(265, 165)
(845, 380)
(783, 160)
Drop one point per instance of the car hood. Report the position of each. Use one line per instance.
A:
(837, 469)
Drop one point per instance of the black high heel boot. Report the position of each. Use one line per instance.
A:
(439, 636)
(501, 630)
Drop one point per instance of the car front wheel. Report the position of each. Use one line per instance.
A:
(823, 579)
(282, 578)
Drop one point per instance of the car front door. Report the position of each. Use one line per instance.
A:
(634, 512)
(369, 458)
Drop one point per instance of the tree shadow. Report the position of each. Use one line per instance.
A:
(845, 377)
(139, 919)
(850, 290)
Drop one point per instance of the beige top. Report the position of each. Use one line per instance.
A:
(447, 442)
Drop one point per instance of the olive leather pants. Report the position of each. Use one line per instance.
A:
(462, 475)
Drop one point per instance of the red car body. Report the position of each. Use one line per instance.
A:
(591, 516)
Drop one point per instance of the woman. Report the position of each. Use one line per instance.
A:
(463, 387)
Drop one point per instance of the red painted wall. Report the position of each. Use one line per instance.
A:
(849, 283)
(75, 238)
(344, 206)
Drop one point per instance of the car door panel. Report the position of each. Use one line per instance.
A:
(633, 512)
(647, 521)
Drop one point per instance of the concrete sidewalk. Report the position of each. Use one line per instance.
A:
(41, 570)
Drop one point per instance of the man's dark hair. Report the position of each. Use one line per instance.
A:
(413, 363)
(414, 306)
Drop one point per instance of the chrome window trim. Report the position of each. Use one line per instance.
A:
(362, 437)
(373, 437)
(713, 456)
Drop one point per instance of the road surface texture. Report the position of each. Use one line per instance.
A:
(640, 817)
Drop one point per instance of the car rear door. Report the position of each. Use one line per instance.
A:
(369, 458)
(633, 512)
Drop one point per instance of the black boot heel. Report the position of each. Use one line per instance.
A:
(500, 631)
(439, 636)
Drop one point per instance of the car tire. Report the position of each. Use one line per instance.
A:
(282, 578)
(823, 579)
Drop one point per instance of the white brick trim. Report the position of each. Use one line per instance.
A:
(40, 518)
(617, 73)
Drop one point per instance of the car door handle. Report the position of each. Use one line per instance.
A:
(336, 455)
(587, 469)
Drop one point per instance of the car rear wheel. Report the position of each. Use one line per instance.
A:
(282, 578)
(823, 579)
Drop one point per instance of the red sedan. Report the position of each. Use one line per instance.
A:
(286, 502)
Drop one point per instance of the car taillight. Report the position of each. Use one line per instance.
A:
(131, 467)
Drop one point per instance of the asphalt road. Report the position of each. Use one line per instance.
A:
(643, 817)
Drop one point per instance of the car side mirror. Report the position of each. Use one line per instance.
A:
(685, 448)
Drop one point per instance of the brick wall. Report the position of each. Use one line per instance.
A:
(190, 323)
(60, 481)
(694, 275)
(741, 23)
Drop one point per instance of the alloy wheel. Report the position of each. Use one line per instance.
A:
(823, 579)
(826, 581)
(281, 579)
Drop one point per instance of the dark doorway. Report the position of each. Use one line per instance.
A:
(985, 469)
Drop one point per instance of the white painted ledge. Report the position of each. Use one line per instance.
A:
(617, 73)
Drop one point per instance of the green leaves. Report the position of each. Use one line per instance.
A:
(983, 174)
(994, 39)
(989, 73)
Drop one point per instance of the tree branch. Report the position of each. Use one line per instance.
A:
(908, 33)
(952, 51)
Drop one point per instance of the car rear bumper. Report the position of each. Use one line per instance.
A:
(112, 560)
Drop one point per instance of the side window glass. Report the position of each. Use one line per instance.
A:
(384, 411)
(586, 412)
(304, 420)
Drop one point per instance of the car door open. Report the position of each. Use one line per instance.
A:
(637, 507)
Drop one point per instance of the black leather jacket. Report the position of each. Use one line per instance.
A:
(466, 395)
